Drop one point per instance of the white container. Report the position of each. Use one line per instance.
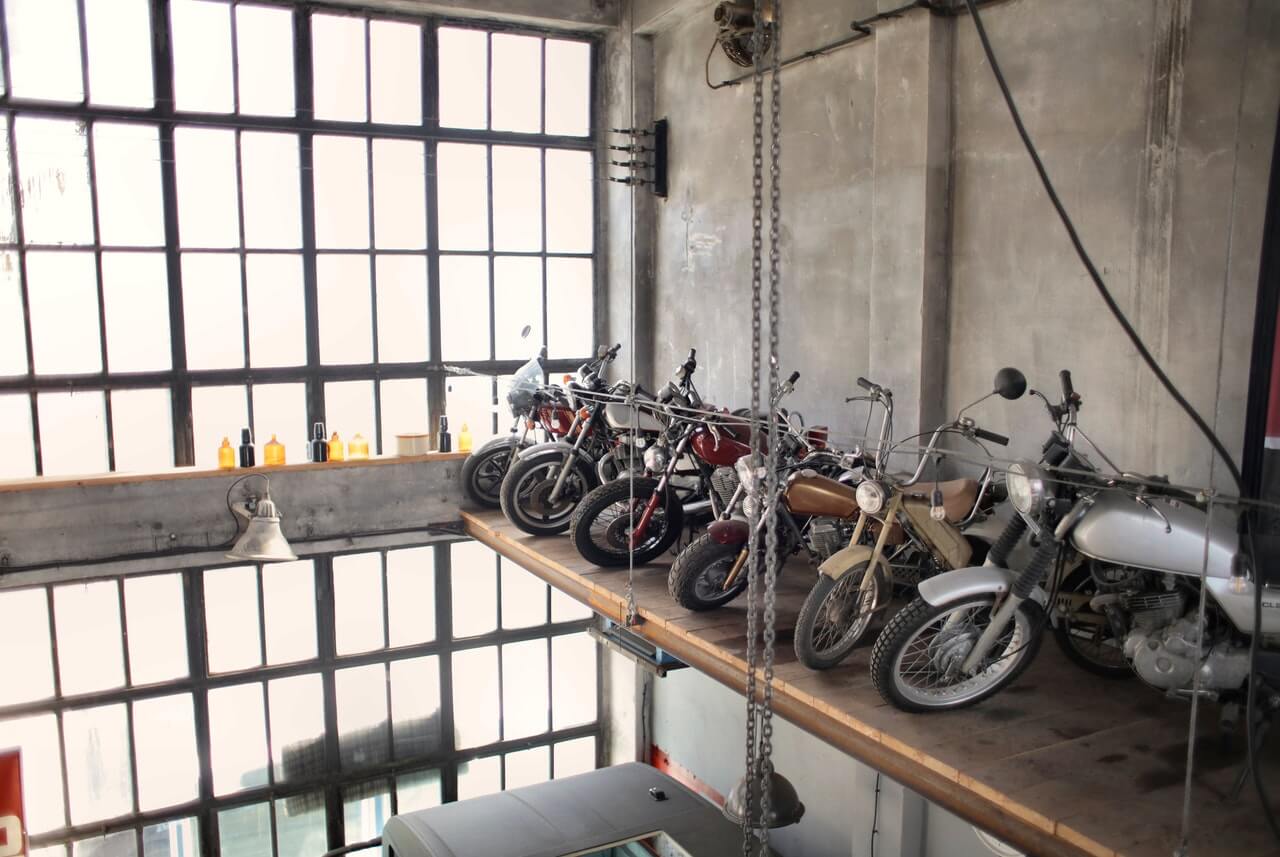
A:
(413, 444)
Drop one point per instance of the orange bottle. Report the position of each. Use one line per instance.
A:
(336, 452)
(273, 452)
(358, 448)
(226, 455)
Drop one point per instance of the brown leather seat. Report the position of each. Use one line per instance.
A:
(958, 496)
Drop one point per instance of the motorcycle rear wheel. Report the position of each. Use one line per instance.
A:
(484, 470)
(1100, 653)
(601, 526)
(696, 579)
(835, 617)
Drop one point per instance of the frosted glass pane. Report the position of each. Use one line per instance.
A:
(357, 602)
(62, 292)
(475, 698)
(468, 400)
(127, 170)
(119, 52)
(272, 201)
(211, 309)
(301, 831)
(337, 47)
(524, 689)
(25, 629)
(157, 638)
(517, 83)
(575, 757)
(135, 294)
(573, 680)
(527, 767)
(289, 600)
(15, 435)
(238, 739)
(411, 595)
(177, 838)
(524, 597)
(569, 203)
(231, 618)
(365, 808)
(206, 171)
(463, 189)
(346, 318)
(122, 844)
(8, 225)
(464, 87)
(474, 576)
(517, 198)
(99, 783)
(362, 715)
(348, 407)
(73, 433)
(142, 430)
(419, 790)
(402, 309)
(217, 412)
(479, 777)
(201, 55)
(341, 192)
(277, 318)
(245, 831)
(415, 706)
(404, 410)
(399, 195)
(568, 87)
(37, 738)
(570, 308)
(13, 328)
(566, 609)
(44, 49)
(464, 307)
(281, 410)
(165, 737)
(297, 727)
(517, 303)
(395, 54)
(264, 48)
(53, 167)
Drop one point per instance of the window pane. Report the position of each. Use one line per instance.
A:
(469, 402)
(341, 192)
(201, 55)
(524, 597)
(348, 407)
(289, 598)
(566, 609)
(206, 172)
(272, 204)
(357, 602)
(87, 619)
(280, 411)
(337, 45)
(527, 767)
(362, 715)
(211, 309)
(231, 618)
(127, 169)
(15, 435)
(73, 433)
(419, 790)
(119, 52)
(475, 697)
(517, 304)
(464, 307)
(575, 757)
(8, 230)
(53, 166)
(44, 49)
(300, 827)
(517, 198)
(524, 689)
(37, 738)
(402, 309)
(366, 807)
(122, 844)
(156, 617)
(517, 83)
(411, 596)
(475, 589)
(346, 320)
(99, 784)
(142, 430)
(62, 293)
(179, 838)
(569, 221)
(245, 831)
(415, 706)
(399, 195)
(217, 412)
(568, 87)
(264, 48)
(165, 736)
(479, 777)
(277, 320)
(573, 680)
(570, 308)
(135, 294)
(463, 176)
(238, 740)
(395, 55)
(25, 629)
(13, 326)
(404, 410)
(464, 88)
(297, 727)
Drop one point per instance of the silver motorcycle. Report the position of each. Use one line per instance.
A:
(1139, 547)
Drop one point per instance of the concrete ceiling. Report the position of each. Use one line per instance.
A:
(571, 14)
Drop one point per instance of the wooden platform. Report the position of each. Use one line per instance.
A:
(1061, 763)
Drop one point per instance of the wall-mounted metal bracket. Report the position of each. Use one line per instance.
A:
(630, 645)
(648, 164)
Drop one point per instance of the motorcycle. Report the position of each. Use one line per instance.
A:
(1136, 549)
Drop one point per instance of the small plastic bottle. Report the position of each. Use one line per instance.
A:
(226, 455)
(247, 455)
(464, 439)
(336, 452)
(273, 453)
(358, 448)
(319, 446)
(444, 441)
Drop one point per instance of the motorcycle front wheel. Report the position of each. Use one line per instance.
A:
(484, 469)
(835, 616)
(604, 519)
(697, 577)
(915, 664)
(527, 487)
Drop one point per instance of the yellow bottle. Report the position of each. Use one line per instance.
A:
(273, 452)
(226, 455)
(358, 448)
(336, 452)
(464, 439)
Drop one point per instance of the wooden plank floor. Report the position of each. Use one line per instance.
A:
(1062, 762)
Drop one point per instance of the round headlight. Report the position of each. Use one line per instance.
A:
(655, 458)
(870, 496)
(749, 476)
(1025, 482)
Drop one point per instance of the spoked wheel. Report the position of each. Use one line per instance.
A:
(1085, 636)
(916, 662)
(527, 489)
(698, 576)
(484, 470)
(604, 521)
(835, 616)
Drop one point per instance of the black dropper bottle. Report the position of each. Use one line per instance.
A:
(444, 441)
(247, 457)
(319, 446)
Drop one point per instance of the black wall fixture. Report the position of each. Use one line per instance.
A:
(646, 157)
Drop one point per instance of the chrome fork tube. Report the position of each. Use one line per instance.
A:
(568, 461)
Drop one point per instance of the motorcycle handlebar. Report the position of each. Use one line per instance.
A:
(866, 385)
(795, 376)
(991, 436)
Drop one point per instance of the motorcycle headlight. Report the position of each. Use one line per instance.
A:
(870, 496)
(1026, 484)
(750, 506)
(749, 476)
(656, 458)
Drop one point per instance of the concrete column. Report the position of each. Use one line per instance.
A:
(910, 224)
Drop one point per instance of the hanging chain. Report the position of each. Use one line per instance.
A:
(632, 610)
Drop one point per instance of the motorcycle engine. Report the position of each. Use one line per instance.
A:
(827, 535)
(724, 481)
(1167, 657)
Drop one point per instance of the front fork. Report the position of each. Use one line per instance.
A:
(569, 459)
(1023, 585)
(642, 526)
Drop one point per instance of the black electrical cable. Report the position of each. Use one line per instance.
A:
(359, 846)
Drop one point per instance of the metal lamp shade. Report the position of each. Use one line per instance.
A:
(785, 807)
(262, 540)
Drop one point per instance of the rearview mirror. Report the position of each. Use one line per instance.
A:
(1010, 383)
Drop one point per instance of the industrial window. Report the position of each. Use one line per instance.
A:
(275, 216)
(286, 709)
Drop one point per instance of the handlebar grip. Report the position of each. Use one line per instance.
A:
(1067, 390)
(865, 384)
(991, 436)
(795, 376)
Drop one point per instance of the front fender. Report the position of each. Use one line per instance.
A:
(502, 441)
(839, 563)
(966, 582)
(558, 447)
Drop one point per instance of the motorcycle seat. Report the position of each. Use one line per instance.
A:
(958, 497)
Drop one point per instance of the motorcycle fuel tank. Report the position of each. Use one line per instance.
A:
(718, 452)
(619, 416)
(817, 495)
(1119, 529)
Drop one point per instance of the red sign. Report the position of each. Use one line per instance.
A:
(13, 841)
